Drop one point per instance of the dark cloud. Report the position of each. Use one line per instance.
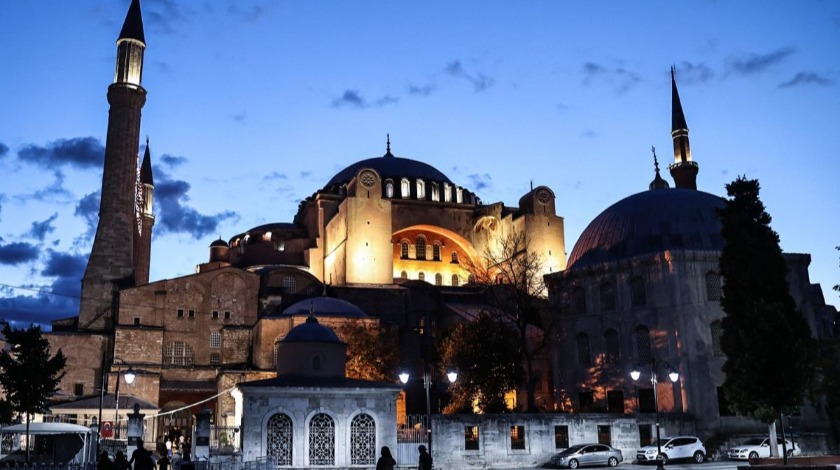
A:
(40, 230)
(162, 16)
(66, 265)
(354, 99)
(4, 149)
(420, 90)
(172, 161)
(806, 78)
(480, 181)
(173, 213)
(88, 209)
(620, 79)
(79, 152)
(688, 73)
(479, 81)
(53, 192)
(749, 64)
(18, 252)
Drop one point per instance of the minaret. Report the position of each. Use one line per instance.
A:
(145, 220)
(111, 263)
(683, 170)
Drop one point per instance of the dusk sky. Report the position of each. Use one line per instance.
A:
(254, 105)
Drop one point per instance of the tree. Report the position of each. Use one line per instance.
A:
(513, 275)
(485, 374)
(372, 353)
(771, 356)
(28, 374)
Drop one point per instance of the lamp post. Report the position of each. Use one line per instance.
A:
(427, 383)
(673, 375)
(130, 375)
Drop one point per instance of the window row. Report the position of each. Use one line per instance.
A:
(322, 440)
(447, 195)
(612, 346)
(214, 315)
(180, 354)
(517, 437)
(454, 280)
(420, 251)
(607, 298)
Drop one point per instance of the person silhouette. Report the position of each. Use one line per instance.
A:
(386, 461)
(425, 461)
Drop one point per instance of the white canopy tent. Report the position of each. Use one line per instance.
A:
(85, 435)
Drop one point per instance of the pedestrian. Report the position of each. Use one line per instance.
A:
(385, 462)
(104, 462)
(142, 458)
(425, 462)
(163, 463)
(120, 463)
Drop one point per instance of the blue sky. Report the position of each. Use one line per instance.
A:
(254, 105)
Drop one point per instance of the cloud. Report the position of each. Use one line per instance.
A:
(17, 253)
(354, 99)
(60, 264)
(240, 117)
(250, 14)
(79, 152)
(88, 209)
(750, 64)
(479, 81)
(274, 176)
(480, 181)
(420, 90)
(806, 78)
(173, 213)
(620, 79)
(162, 15)
(689, 73)
(171, 161)
(53, 192)
(4, 149)
(40, 230)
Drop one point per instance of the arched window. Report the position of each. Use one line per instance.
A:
(404, 249)
(421, 276)
(713, 288)
(613, 353)
(607, 297)
(454, 256)
(215, 339)
(435, 192)
(438, 279)
(404, 275)
(178, 353)
(447, 192)
(276, 350)
(362, 440)
(455, 280)
(389, 188)
(716, 328)
(316, 363)
(279, 439)
(289, 285)
(459, 195)
(643, 349)
(421, 189)
(405, 188)
(638, 296)
(436, 251)
(578, 301)
(321, 440)
(584, 357)
(471, 279)
(420, 248)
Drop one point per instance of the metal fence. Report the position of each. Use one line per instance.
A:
(47, 466)
(412, 433)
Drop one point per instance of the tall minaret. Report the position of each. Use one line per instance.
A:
(111, 263)
(683, 170)
(145, 220)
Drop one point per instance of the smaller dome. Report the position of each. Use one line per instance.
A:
(325, 306)
(219, 242)
(311, 332)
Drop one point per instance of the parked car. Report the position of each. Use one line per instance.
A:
(760, 447)
(586, 455)
(674, 448)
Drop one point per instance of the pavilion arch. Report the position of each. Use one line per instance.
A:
(429, 230)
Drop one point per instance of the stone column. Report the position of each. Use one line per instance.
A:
(201, 443)
(135, 430)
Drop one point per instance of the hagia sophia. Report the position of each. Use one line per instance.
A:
(384, 244)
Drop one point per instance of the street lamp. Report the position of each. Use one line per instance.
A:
(673, 375)
(452, 375)
(130, 375)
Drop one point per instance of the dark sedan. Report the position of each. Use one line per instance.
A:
(586, 455)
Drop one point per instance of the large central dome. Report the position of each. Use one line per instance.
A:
(389, 166)
(649, 222)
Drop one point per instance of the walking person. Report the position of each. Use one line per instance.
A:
(385, 462)
(164, 462)
(120, 463)
(142, 458)
(425, 462)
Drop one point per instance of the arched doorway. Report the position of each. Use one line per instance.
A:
(174, 425)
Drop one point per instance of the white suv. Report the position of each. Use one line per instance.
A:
(760, 447)
(674, 448)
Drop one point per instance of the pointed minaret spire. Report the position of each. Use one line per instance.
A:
(130, 47)
(658, 182)
(133, 24)
(388, 146)
(684, 169)
(146, 167)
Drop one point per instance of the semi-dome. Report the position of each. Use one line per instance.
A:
(389, 166)
(325, 306)
(650, 222)
(311, 332)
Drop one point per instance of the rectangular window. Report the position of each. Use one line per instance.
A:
(136, 321)
(191, 313)
(645, 435)
(604, 435)
(723, 404)
(561, 437)
(615, 401)
(517, 437)
(215, 359)
(215, 340)
(647, 403)
(470, 437)
(180, 313)
(215, 315)
(227, 315)
(586, 399)
(79, 389)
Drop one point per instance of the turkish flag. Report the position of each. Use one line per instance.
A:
(107, 428)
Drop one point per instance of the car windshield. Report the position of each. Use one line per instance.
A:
(573, 449)
(756, 441)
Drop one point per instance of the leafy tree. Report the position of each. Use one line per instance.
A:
(485, 374)
(372, 353)
(513, 276)
(771, 357)
(28, 374)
